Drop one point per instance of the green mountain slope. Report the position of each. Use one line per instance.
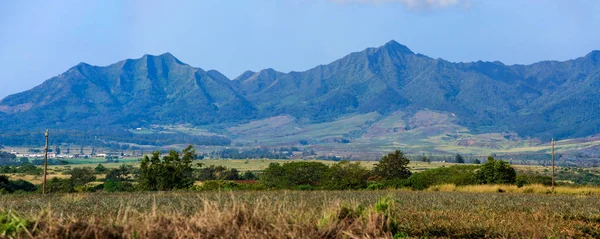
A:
(543, 100)
(130, 93)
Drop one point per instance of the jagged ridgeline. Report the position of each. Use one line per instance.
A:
(544, 99)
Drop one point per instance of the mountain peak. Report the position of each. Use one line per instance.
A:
(595, 54)
(395, 46)
(165, 57)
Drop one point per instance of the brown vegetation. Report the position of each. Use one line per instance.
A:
(298, 214)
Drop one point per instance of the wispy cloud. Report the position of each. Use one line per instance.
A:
(415, 4)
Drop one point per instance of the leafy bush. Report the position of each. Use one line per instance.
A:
(25, 168)
(21, 186)
(10, 186)
(292, 174)
(456, 174)
(216, 173)
(346, 175)
(496, 172)
(58, 185)
(530, 178)
(170, 172)
(117, 186)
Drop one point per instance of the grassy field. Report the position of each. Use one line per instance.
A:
(301, 214)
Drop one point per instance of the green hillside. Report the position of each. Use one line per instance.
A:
(379, 98)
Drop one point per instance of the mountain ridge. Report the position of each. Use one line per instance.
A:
(543, 99)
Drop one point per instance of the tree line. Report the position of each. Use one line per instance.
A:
(181, 171)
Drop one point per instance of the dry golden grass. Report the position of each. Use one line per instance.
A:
(36, 179)
(536, 188)
(314, 214)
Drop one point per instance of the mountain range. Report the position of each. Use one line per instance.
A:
(543, 100)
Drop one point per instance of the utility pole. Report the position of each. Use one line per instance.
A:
(552, 164)
(45, 165)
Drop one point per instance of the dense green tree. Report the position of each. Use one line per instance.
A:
(476, 161)
(496, 172)
(169, 172)
(100, 169)
(392, 166)
(122, 173)
(82, 176)
(294, 174)
(346, 175)
(459, 158)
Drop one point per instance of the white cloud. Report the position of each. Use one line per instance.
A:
(416, 4)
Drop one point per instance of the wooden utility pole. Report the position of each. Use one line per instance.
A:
(552, 164)
(45, 165)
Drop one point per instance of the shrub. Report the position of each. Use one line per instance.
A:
(346, 175)
(249, 175)
(30, 169)
(117, 186)
(10, 186)
(456, 174)
(375, 185)
(21, 186)
(216, 173)
(530, 178)
(496, 172)
(100, 169)
(294, 174)
(57, 185)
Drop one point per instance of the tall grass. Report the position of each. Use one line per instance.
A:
(535, 188)
(301, 214)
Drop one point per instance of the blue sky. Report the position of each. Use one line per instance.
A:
(41, 39)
